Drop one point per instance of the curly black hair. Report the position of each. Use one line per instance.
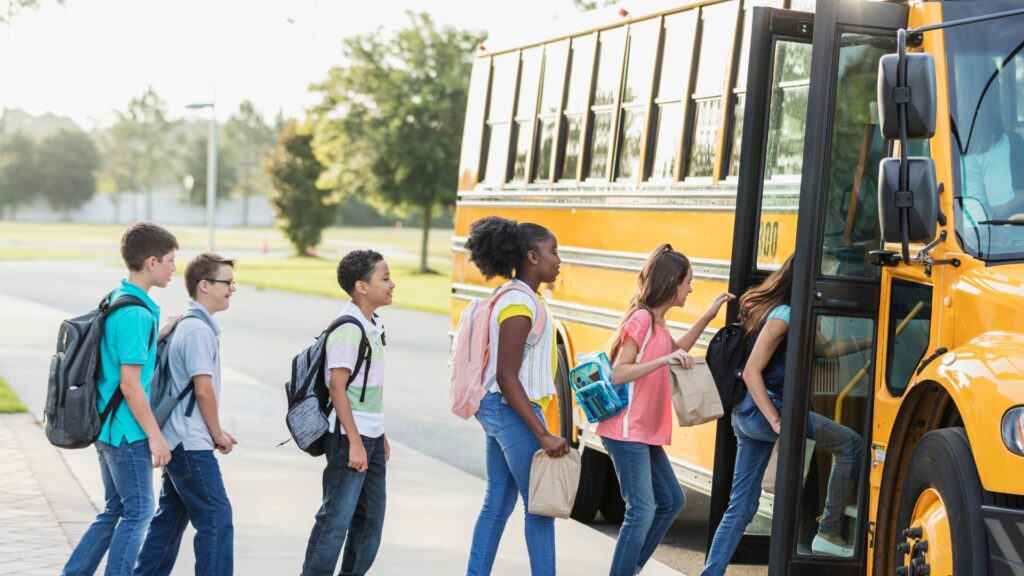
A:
(499, 245)
(355, 266)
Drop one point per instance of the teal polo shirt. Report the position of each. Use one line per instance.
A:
(128, 338)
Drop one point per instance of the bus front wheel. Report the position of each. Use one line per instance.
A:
(939, 522)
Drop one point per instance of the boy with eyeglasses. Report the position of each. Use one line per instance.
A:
(193, 488)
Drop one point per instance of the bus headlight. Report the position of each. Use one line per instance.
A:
(1013, 430)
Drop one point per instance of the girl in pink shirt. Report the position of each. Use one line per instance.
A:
(634, 438)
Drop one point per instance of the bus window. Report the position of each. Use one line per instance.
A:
(717, 31)
(776, 235)
(581, 67)
(550, 107)
(802, 5)
(611, 49)
(740, 91)
(840, 390)
(985, 95)
(503, 85)
(910, 316)
(526, 109)
(674, 84)
(636, 94)
(851, 213)
(472, 132)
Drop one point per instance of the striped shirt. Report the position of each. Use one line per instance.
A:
(343, 352)
(537, 369)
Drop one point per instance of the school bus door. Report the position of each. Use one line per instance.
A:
(835, 290)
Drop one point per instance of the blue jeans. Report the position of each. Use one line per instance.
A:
(653, 500)
(127, 473)
(755, 439)
(509, 449)
(352, 513)
(193, 490)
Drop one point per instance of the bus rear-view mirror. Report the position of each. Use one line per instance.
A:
(918, 93)
(920, 198)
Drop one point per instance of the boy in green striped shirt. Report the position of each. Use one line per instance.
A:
(352, 512)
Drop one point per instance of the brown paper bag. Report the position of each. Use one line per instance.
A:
(694, 395)
(768, 483)
(553, 484)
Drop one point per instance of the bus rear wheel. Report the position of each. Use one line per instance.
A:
(939, 522)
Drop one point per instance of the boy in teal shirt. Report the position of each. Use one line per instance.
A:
(130, 443)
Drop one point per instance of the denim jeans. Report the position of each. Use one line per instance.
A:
(653, 500)
(352, 512)
(509, 449)
(193, 490)
(127, 473)
(755, 439)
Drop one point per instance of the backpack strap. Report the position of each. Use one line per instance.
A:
(108, 307)
(363, 355)
(540, 322)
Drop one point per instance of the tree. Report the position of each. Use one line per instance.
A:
(250, 140)
(303, 209)
(389, 124)
(11, 8)
(69, 161)
(585, 5)
(138, 151)
(19, 172)
(195, 165)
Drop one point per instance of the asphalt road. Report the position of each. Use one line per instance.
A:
(265, 328)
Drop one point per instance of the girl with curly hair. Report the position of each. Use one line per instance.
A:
(519, 382)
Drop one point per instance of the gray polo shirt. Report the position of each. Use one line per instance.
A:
(194, 350)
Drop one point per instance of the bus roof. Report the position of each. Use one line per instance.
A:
(506, 39)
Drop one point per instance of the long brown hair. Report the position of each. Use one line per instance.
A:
(657, 283)
(759, 301)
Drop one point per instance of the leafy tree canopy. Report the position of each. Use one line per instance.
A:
(303, 209)
(389, 123)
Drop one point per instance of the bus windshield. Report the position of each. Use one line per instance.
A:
(986, 96)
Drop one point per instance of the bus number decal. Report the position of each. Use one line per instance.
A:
(768, 239)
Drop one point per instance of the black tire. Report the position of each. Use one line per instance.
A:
(565, 398)
(594, 467)
(943, 461)
(613, 507)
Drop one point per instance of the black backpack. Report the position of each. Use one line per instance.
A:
(71, 416)
(725, 358)
(309, 400)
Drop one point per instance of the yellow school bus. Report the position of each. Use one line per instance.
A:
(879, 141)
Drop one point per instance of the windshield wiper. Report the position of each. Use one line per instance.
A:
(1003, 222)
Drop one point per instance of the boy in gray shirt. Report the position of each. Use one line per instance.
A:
(193, 488)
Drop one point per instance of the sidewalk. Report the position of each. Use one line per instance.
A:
(48, 496)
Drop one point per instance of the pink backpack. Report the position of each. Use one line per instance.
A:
(471, 348)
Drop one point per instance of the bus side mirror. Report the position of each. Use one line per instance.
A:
(918, 94)
(920, 198)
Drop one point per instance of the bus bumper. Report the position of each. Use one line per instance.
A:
(1005, 529)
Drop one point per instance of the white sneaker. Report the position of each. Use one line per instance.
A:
(822, 546)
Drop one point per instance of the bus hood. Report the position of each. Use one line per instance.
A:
(987, 299)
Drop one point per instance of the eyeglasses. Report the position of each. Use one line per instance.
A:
(228, 282)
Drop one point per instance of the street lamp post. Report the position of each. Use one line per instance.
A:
(211, 170)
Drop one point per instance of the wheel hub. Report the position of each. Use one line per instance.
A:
(928, 542)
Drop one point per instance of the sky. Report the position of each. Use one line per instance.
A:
(86, 58)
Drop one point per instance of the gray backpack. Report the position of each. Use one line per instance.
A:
(71, 415)
(163, 399)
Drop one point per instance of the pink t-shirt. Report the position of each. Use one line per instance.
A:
(648, 418)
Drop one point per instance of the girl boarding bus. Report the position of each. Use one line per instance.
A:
(744, 131)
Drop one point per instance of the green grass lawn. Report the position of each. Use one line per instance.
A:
(9, 402)
(317, 276)
(20, 253)
(404, 241)
(401, 247)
